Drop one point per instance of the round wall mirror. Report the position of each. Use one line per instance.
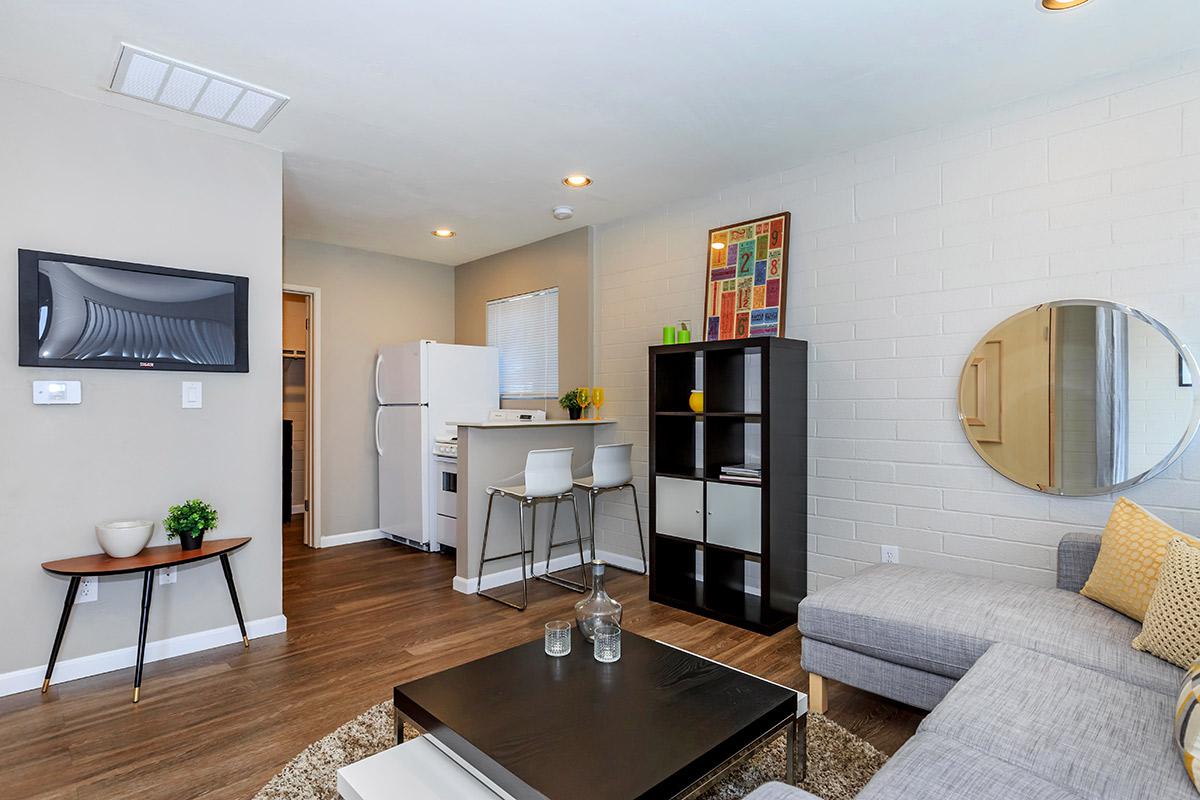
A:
(1079, 397)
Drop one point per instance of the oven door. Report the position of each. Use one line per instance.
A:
(446, 486)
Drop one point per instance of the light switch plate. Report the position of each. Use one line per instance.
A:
(55, 393)
(193, 394)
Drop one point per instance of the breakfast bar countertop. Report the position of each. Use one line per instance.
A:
(545, 423)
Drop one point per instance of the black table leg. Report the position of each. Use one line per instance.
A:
(237, 609)
(147, 590)
(72, 590)
(802, 749)
(790, 751)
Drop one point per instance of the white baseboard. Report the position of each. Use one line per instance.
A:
(513, 575)
(354, 537)
(98, 663)
(298, 508)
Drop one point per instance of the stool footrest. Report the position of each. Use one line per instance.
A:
(513, 554)
(562, 582)
(482, 593)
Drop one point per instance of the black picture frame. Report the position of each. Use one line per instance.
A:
(27, 315)
(1185, 375)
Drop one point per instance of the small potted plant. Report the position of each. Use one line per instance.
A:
(190, 521)
(572, 402)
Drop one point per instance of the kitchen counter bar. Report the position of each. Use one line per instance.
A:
(493, 454)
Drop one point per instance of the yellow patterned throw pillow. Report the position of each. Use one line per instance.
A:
(1187, 723)
(1131, 551)
(1172, 627)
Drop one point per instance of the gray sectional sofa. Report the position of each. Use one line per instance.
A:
(1035, 692)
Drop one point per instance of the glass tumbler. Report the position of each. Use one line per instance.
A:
(558, 638)
(607, 646)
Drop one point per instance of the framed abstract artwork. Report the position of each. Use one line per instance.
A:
(746, 286)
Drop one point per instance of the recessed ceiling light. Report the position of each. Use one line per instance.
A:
(577, 181)
(172, 83)
(718, 245)
(1061, 5)
(443, 233)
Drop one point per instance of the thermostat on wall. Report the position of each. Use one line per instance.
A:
(54, 393)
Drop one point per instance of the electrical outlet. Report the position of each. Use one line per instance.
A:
(167, 575)
(89, 590)
(889, 554)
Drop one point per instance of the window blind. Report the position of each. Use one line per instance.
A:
(525, 329)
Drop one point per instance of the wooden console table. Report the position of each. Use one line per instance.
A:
(147, 562)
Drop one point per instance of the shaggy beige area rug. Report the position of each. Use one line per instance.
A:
(839, 763)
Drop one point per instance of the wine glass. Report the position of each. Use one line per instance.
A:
(585, 400)
(597, 399)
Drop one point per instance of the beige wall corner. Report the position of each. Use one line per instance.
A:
(564, 261)
(367, 300)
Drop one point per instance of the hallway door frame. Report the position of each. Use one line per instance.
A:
(312, 411)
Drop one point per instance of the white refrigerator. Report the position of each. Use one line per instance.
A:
(420, 387)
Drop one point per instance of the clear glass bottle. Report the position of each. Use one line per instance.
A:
(597, 608)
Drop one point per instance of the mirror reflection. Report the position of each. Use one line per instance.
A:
(1079, 397)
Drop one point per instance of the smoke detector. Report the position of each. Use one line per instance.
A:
(563, 212)
(184, 87)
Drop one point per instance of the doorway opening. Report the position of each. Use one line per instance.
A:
(301, 419)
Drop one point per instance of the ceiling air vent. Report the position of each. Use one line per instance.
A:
(184, 87)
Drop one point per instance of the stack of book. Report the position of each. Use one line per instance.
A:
(742, 473)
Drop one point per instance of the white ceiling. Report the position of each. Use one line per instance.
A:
(406, 116)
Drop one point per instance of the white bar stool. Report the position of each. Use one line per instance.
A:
(612, 471)
(547, 479)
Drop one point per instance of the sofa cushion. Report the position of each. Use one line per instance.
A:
(914, 687)
(1171, 629)
(942, 622)
(780, 791)
(933, 767)
(1186, 730)
(1090, 734)
(1131, 551)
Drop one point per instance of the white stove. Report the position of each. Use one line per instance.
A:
(445, 445)
(516, 415)
(445, 482)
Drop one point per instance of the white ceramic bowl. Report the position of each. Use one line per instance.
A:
(124, 538)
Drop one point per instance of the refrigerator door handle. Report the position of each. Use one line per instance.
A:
(378, 444)
(378, 364)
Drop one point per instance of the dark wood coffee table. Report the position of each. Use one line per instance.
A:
(659, 723)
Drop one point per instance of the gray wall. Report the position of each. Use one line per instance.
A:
(367, 300)
(88, 179)
(564, 261)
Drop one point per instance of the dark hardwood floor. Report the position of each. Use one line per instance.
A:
(361, 618)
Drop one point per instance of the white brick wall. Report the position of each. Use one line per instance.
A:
(903, 254)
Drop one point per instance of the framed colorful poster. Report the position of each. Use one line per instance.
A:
(746, 288)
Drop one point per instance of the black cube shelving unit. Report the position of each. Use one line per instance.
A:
(708, 533)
